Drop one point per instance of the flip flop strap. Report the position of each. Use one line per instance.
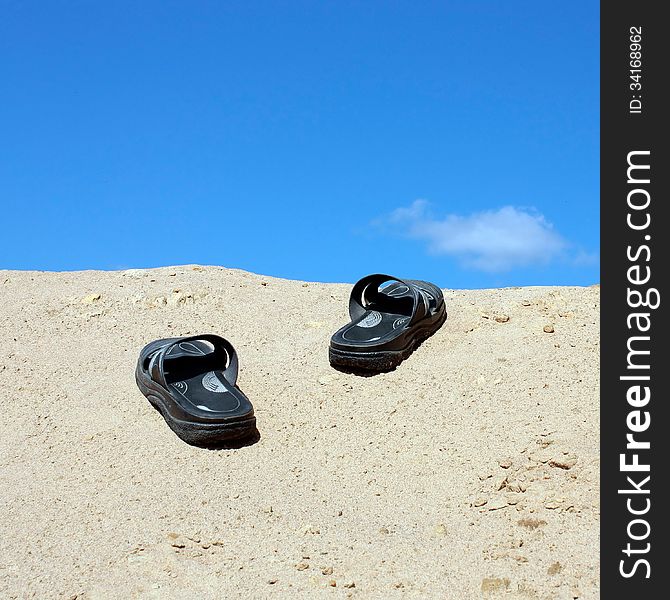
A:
(222, 349)
(366, 290)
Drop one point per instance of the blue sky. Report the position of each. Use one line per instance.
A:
(450, 141)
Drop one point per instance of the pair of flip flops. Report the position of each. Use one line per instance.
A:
(192, 381)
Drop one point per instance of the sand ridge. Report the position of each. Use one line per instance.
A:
(471, 471)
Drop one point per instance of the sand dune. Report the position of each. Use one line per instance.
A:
(469, 472)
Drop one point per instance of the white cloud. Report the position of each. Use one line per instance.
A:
(586, 259)
(494, 240)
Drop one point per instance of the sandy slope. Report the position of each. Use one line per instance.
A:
(469, 472)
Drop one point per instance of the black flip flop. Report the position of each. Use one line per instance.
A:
(387, 323)
(191, 381)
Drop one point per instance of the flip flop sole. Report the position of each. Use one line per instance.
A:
(385, 360)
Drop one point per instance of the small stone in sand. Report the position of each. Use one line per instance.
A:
(505, 463)
(91, 298)
(531, 523)
(501, 318)
(272, 581)
(555, 569)
(497, 504)
(480, 502)
(332, 583)
(301, 566)
(548, 329)
(494, 584)
(327, 571)
(563, 462)
(525, 303)
(350, 584)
